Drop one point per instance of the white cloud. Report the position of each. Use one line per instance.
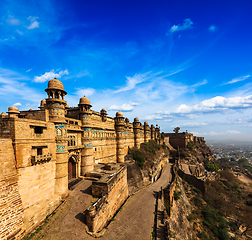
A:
(34, 23)
(124, 107)
(19, 32)
(133, 81)
(237, 80)
(212, 133)
(85, 92)
(233, 132)
(194, 124)
(50, 75)
(13, 21)
(186, 25)
(17, 104)
(212, 28)
(216, 104)
(28, 70)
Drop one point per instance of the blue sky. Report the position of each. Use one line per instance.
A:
(174, 63)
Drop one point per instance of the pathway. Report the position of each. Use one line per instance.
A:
(134, 221)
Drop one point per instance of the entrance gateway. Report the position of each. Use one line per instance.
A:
(72, 167)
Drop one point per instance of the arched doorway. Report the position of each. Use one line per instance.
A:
(71, 168)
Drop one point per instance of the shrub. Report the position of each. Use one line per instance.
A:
(190, 146)
(216, 223)
(138, 157)
(177, 195)
(211, 167)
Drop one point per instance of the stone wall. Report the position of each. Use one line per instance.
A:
(192, 180)
(178, 140)
(36, 187)
(114, 191)
(11, 208)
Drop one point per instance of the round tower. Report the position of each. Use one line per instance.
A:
(87, 164)
(55, 104)
(119, 126)
(104, 114)
(137, 130)
(146, 132)
(13, 112)
(42, 104)
(153, 132)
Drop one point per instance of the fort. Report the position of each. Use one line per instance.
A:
(42, 151)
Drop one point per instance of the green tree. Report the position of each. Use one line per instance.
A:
(176, 130)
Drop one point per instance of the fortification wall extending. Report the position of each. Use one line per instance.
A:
(113, 191)
(12, 222)
(197, 183)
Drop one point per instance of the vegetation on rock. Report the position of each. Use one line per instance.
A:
(147, 152)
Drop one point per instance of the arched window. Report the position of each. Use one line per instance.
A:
(56, 95)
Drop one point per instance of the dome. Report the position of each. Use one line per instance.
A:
(13, 109)
(119, 114)
(55, 84)
(136, 119)
(42, 103)
(145, 123)
(84, 100)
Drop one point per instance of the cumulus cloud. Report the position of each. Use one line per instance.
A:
(216, 104)
(237, 80)
(34, 23)
(212, 28)
(49, 75)
(85, 92)
(186, 25)
(124, 107)
(17, 104)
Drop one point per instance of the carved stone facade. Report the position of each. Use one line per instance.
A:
(49, 147)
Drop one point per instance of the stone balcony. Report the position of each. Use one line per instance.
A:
(41, 158)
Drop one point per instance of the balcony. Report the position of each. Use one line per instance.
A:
(41, 158)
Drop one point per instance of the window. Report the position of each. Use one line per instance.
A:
(38, 130)
(39, 151)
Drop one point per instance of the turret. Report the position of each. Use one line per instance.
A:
(137, 129)
(153, 132)
(87, 164)
(55, 104)
(42, 104)
(104, 114)
(85, 111)
(119, 126)
(13, 112)
(147, 132)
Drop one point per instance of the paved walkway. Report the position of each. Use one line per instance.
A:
(134, 221)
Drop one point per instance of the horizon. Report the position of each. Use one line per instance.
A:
(169, 63)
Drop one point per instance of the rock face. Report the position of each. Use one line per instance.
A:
(192, 158)
(178, 226)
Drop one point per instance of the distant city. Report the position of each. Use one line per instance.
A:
(232, 151)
